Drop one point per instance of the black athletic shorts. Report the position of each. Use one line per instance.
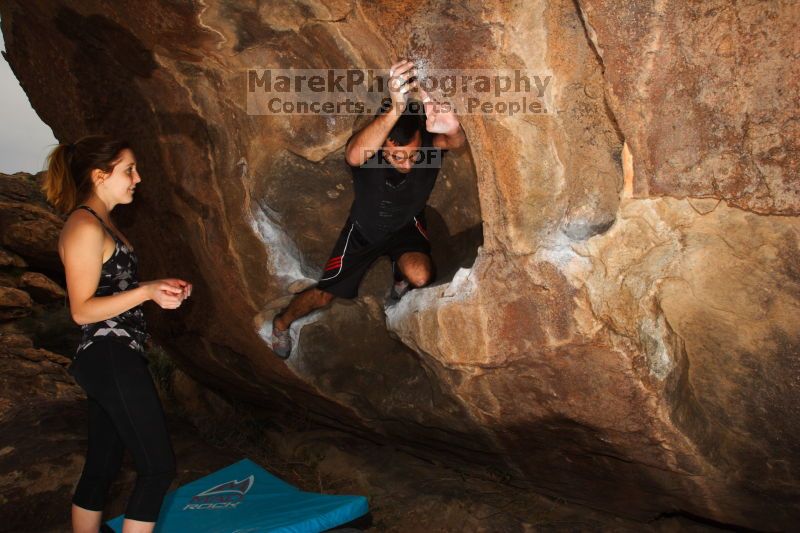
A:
(353, 255)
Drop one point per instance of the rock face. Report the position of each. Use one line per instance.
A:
(40, 405)
(14, 303)
(41, 287)
(29, 227)
(706, 96)
(42, 410)
(634, 352)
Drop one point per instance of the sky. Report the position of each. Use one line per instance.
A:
(24, 139)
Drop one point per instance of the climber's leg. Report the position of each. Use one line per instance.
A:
(351, 258)
(410, 252)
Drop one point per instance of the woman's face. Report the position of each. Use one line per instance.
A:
(118, 186)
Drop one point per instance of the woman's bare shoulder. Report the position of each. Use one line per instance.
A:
(81, 226)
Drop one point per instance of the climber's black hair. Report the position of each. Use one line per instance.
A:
(411, 121)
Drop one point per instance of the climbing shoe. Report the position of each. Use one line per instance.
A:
(399, 289)
(281, 342)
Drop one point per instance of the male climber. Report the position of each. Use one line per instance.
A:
(395, 160)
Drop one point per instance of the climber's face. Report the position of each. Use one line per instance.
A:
(401, 157)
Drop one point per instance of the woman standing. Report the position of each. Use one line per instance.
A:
(88, 179)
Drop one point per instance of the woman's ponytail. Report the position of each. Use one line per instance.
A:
(59, 186)
(69, 166)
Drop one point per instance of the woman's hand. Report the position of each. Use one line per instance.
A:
(168, 293)
(185, 286)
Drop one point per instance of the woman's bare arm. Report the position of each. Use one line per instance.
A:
(81, 250)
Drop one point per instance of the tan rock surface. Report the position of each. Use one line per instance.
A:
(637, 355)
(706, 95)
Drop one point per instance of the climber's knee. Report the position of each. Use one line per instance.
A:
(419, 278)
(416, 267)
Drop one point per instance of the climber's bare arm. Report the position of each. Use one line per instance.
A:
(366, 142)
(449, 135)
(369, 140)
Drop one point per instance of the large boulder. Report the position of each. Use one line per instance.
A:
(627, 339)
(42, 433)
(706, 96)
(10, 259)
(40, 287)
(28, 226)
(14, 303)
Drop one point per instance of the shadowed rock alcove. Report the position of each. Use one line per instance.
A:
(302, 204)
(629, 346)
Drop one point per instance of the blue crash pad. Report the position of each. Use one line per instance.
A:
(245, 498)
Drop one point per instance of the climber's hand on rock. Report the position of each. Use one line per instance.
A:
(399, 75)
(440, 117)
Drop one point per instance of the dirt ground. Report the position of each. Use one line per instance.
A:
(406, 493)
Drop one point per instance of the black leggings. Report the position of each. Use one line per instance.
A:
(124, 412)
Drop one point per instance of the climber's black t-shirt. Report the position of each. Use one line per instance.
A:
(385, 199)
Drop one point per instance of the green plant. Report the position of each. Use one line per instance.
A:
(161, 368)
